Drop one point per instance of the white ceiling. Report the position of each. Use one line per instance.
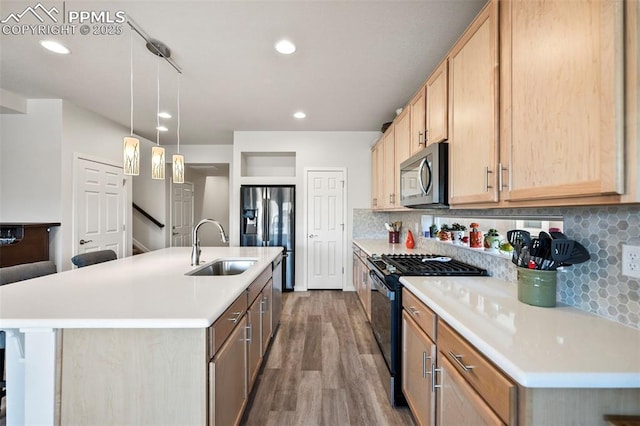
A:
(356, 62)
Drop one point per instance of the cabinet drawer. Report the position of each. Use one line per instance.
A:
(422, 315)
(258, 284)
(222, 328)
(492, 385)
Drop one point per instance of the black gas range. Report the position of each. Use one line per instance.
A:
(386, 302)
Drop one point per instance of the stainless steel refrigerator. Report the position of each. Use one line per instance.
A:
(267, 218)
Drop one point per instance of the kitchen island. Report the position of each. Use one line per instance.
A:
(136, 317)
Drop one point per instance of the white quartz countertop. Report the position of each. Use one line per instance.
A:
(149, 290)
(561, 347)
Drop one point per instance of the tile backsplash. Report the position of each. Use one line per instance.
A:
(597, 286)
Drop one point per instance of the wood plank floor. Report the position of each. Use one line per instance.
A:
(323, 368)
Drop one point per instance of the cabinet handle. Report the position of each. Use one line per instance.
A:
(237, 317)
(486, 179)
(413, 311)
(426, 136)
(375, 202)
(434, 370)
(500, 178)
(425, 358)
(420, 138)
(458, 360)
(249, 329)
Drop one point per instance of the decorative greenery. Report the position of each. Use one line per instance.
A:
(457, 227)
(445, 227)
(492, 233)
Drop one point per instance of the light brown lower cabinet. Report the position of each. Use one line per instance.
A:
(471, 392)
(458, 402)
(266, 327)
(254, 341)
(418, 358)
(227, 379)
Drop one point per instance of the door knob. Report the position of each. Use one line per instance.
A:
(175, 233)
(312, 235)
(82, 242)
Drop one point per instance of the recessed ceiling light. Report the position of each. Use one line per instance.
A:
(285, 47)
(164, 115)
(54, 46)
(299, 114)
(162, 128)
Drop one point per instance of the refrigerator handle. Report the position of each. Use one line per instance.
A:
(265, 218)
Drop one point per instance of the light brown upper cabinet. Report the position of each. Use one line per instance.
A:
(417, 106)
(377, 167)
(388, 169)
(562, 100)
(402, 139)
(473, 114)
(437, 89)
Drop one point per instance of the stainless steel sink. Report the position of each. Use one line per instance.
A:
(223, 267)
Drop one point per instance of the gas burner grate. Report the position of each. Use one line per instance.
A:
(412, 264)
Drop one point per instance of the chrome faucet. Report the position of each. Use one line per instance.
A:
(195, 248)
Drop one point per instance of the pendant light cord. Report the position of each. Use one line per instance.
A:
(178, 126)
(158, 102)
(131, 76)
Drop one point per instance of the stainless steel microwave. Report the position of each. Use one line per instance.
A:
(423, 178)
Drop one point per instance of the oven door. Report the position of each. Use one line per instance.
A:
(382, 299)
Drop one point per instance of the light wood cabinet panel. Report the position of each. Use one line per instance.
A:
(458, 403)
(377, 175)
(437, 88)
(402, 149)
(266, 312)
(388, 168)
(417, 105)
(562, 98)
(418, 355)
(110, 376)
(254, 342)
(361, 280)
(473, 115)
(420, 313)
(228, 372)
(487, 380)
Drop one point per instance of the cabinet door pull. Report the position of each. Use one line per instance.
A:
(420, 138)
(501, 184)
(413, 311)
(425, 358)
(237, 317)
(486, 179)
(249, 337)
(434, 370)
(458, 360)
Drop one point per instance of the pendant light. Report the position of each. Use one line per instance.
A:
(131, 145)
(178, 159)
(157, 152)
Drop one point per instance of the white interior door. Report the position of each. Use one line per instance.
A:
(182, 214)
(100, 207)
(325, 229)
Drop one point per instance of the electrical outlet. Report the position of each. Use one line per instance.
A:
(631, 261)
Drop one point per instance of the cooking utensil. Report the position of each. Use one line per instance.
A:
(558, 235)
(437, 259)
(578, 255)
(561, 250)
(518, 236)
